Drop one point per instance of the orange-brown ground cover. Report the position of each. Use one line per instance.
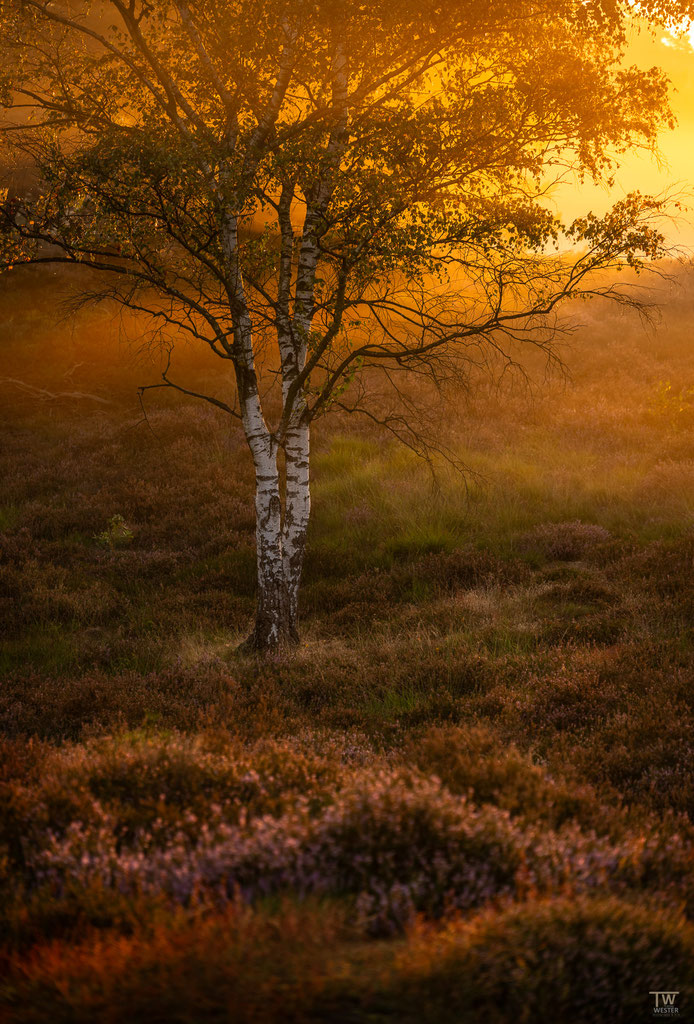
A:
(468, 796)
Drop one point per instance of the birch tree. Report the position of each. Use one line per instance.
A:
(325, 190)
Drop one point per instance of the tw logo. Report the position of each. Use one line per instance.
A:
(664, 1003)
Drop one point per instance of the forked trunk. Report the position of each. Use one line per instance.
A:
(281, 542)
(273, 626)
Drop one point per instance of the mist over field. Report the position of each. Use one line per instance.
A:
(488, 724)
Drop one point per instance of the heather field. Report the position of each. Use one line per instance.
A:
(468, 796)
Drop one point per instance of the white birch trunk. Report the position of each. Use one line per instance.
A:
(280, 534)
(296, 516)
(271, 613)
(271, 626)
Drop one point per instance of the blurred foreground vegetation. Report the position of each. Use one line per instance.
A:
(469, 795)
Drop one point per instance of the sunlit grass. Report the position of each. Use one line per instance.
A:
(380, 509)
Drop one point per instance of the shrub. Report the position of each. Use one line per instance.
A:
(564, 542)
(236, 966)
(398, 844)
(561, 961)
(394, 842)
(153, 790)
(475, 761)
(565, 962)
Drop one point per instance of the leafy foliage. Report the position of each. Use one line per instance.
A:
(394, 154)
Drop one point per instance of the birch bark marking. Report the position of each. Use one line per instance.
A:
(294, 341)
(271, 615)
(270, 625)
(296, 518)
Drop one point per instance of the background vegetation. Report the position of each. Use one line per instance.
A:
(468, 796)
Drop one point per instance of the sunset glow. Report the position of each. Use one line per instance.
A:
(673, 170)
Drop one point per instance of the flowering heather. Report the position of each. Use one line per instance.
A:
(167, 818)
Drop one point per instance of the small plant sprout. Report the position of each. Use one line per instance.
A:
(116, 535)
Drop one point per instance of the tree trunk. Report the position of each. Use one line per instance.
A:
(271, 624)
(296, 516)
(280, 541)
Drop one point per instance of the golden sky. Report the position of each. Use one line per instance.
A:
(639, 170)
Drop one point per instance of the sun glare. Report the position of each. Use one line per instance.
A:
(681, 38)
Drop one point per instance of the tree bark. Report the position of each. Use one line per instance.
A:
(296, 516)
(280, 540)
(271, 612)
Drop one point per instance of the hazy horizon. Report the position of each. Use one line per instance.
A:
(672, 168)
